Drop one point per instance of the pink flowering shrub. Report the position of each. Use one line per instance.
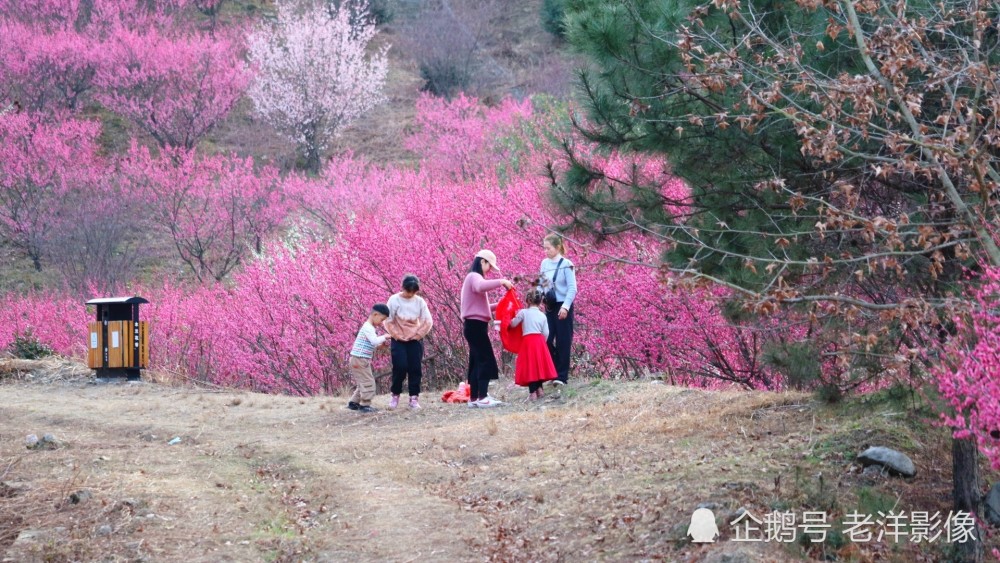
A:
(40, 164)
(57, 322)
(45, 71)
(142, 60)
(284, 320)
(969, 380)
(175, 88)
(215, 209)
(457, 138)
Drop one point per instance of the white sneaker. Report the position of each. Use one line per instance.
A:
(473, 404)
(558, 383)
(488, 402)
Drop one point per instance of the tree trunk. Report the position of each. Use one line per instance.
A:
(966, 493)
(312, 161)
(310, 147)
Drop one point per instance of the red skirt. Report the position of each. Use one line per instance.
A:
(534, 363)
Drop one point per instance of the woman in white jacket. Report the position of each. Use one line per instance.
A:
(557, 274)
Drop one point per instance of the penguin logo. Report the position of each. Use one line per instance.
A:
(703, 528)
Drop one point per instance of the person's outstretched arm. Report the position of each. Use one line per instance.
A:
(518, 318)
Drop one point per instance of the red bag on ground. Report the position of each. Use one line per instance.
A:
(508, 306)
(460, 396)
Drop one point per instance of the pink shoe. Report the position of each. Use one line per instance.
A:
(414, 405)
(394, 402)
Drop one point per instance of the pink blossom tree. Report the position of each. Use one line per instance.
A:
(45, 71)
(457, 138)
(95, 17)
(47, 15)
(174, 88)
(40, 163)
(216, 210)
(51, 51)
(314, 75)
(101, 236)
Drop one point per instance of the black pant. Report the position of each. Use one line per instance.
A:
(406, 358)
(482, 363)
(534, 386)
(560, 340)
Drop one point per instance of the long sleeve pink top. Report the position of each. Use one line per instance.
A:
(475, 304)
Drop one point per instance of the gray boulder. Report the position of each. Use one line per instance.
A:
(897, 463)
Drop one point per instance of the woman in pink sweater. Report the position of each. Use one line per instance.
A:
(477, 312)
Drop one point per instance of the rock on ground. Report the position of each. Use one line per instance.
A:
(896, 462)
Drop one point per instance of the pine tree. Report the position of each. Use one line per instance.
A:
(842, 153)
(839, 179)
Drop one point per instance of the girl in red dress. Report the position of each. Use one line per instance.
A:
(534, 363)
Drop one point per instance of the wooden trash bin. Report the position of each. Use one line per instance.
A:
(119, 341)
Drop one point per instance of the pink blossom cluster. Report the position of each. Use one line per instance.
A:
(142, 60)
(286, 320)
(41, 164)
(969, 379)
(216, 209)
(176, 88)
(314, 72)
(58, 322)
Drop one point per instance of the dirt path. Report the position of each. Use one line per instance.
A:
(218, 488)
(606, 472)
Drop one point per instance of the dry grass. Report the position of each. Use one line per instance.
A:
(47, 370)
(606, 471)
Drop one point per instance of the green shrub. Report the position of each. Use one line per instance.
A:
(27, 347)
(798, 361)
(445, 77)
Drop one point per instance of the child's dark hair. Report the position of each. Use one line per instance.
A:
(534, 297)
(411, 284)
(381, 309)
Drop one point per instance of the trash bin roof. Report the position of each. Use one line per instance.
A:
(117, 300)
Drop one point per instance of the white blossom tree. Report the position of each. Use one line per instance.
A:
(314, 73)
